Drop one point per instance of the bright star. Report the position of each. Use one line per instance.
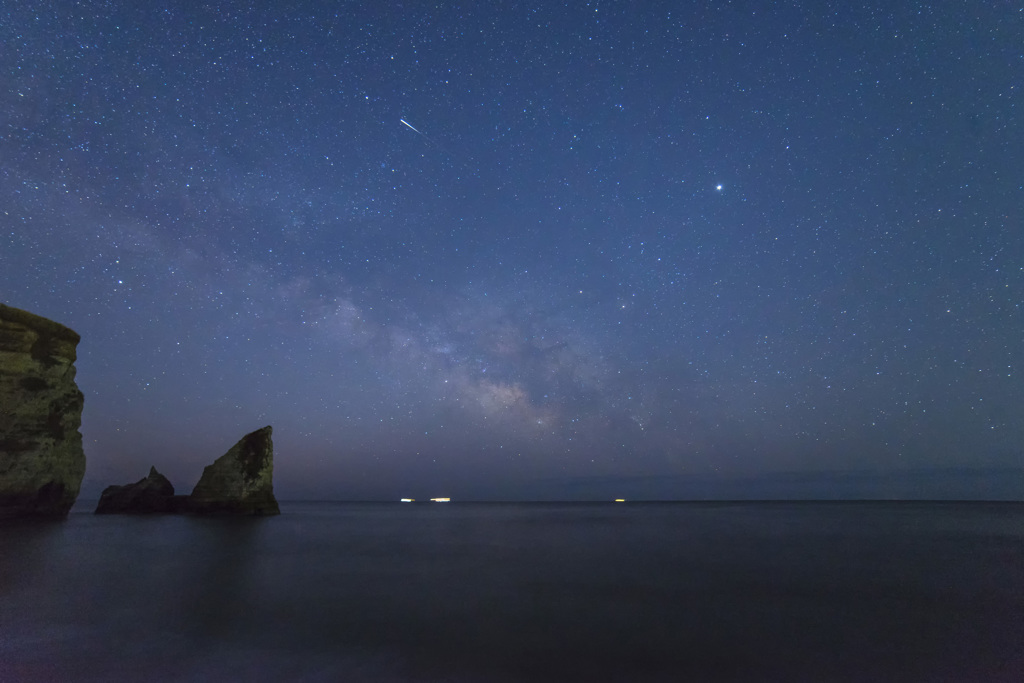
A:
(718, 187)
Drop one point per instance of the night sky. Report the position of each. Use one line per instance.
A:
(503, 250)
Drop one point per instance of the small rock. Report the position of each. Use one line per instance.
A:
(152, 494)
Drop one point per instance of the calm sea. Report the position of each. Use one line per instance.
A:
(521, 592)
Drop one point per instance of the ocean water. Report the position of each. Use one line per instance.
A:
(521, 592)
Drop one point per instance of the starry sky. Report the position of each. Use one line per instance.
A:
(517, 251)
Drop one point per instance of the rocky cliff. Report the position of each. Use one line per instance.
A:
(41, 458)
(241, 481)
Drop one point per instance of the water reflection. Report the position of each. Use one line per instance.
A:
(216, 598)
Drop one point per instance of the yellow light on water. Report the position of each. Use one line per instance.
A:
(620, 500)
(440, 500)
(408, 500)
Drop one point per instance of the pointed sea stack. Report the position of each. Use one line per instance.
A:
(41, 458)
(240, 482)
(150, 495)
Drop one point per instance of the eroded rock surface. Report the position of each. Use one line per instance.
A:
(41, 458)
(152, 494)
(241, 481)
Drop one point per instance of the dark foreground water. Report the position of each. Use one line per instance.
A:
(521, 592)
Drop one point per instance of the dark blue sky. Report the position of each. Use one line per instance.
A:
(660, 250)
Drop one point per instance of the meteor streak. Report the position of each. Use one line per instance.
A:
(429, 140)
(410, 125)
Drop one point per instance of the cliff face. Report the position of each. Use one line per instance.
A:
(41, 458)
(241, 481)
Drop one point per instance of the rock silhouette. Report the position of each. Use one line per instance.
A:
(150, 495)
(240, 482)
